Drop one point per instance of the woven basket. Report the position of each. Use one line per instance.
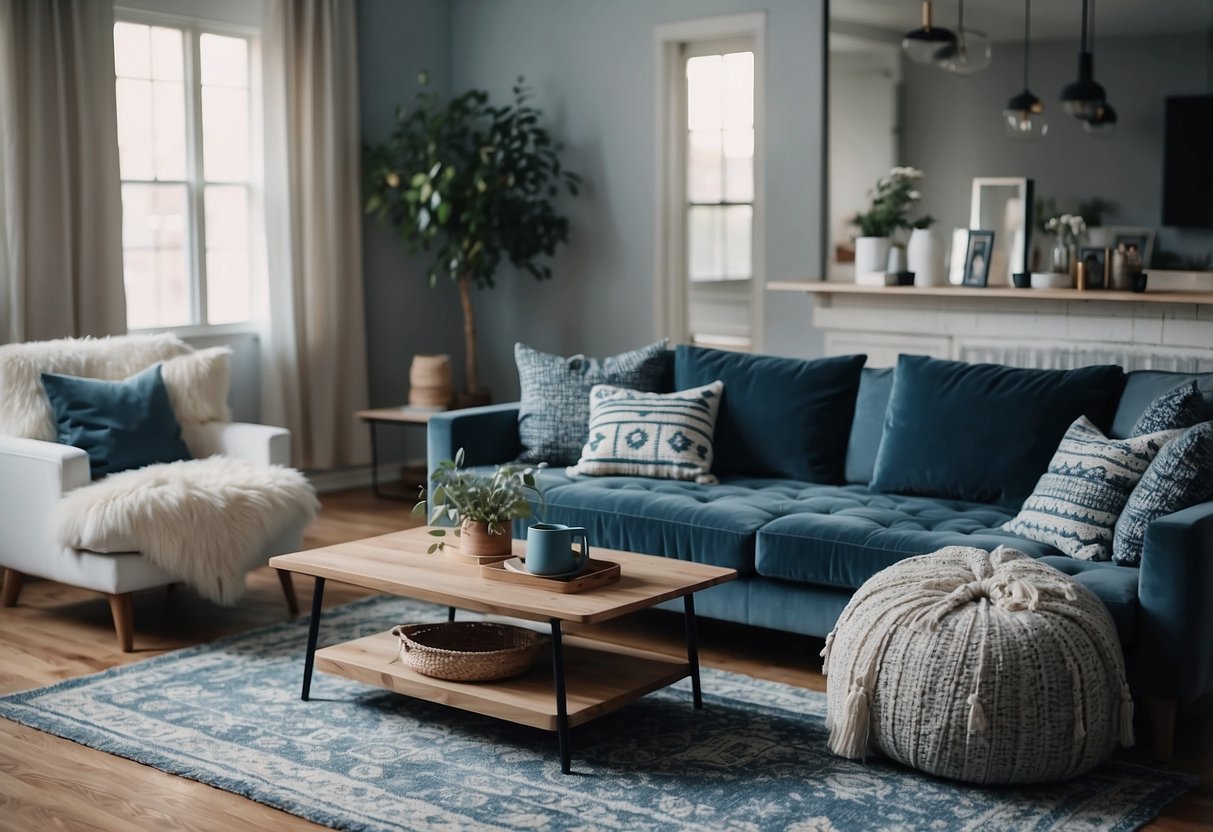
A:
(467, 651)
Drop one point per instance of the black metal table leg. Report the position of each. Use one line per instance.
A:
(374, 459)
(562, 712)
(692, 647)
(313, 630)
(450, 614)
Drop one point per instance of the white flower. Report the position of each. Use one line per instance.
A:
(914, 195)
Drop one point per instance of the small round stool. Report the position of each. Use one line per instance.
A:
(977, 666)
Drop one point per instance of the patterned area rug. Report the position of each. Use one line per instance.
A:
(355, 757)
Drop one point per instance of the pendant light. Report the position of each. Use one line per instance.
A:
(922, 45)
(1103, 123)
(971, 51)
(1084, 97)
(1024, 115)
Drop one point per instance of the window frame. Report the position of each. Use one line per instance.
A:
(195, 182)
(673, 43)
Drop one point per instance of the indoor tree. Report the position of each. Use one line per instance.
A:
(474, 184)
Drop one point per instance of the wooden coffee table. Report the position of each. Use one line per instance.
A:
(589, 677)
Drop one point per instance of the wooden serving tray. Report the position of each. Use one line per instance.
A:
(597, 573)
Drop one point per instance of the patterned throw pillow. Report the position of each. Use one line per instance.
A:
(1180, 476)
(665, 435)
(555, 400)
(1182, 407)
(1076, 503)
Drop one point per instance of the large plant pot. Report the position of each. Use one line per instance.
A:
(925, 252)
(475, 541)
(466, 398)
(871, 257)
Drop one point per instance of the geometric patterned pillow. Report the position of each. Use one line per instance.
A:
(555, 395)
(1180, 476)
(1076, 502)
(663, 435)
(1182, 407)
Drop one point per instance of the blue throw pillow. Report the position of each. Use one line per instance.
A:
(1182, 407)
(983, 432)
(120, 424)
(1076, 503)
(875, 387)
(779, 417)
(1180, 476)
(554, 412)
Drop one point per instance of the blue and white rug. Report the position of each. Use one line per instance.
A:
(228, 714)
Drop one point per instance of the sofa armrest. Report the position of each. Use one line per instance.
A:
(260, 444)
(1175, 652)
(33, 476)
(488, 435)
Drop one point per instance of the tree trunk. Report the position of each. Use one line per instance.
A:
(471, 367)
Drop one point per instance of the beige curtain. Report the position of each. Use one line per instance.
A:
(60, 196)
(316, 347)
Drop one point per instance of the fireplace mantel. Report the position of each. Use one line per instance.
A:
(1164, 329)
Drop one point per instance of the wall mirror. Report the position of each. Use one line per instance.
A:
(885, 110)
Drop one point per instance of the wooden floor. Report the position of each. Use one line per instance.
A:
(58, 632)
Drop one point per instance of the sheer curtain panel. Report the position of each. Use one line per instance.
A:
(316, 347)
(60, 198)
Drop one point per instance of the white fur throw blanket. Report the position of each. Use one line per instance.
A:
(202, 520)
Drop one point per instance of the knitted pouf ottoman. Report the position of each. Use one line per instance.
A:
(978, 666)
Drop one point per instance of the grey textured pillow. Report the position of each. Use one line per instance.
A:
(1182, 407)
(1180, 476)
(554, 415)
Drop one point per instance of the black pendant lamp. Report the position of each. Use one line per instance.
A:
(1084, 97)
(1103, 123)
(923, 45)
(970, 53)
(1024, 115)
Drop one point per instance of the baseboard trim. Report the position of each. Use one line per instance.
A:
(359, 476)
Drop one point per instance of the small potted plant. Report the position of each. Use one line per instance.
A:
(891, 200)
(480, 506)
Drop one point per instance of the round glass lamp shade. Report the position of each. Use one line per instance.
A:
(1083, 98)
(922, 46)
(1104, 122)
(1024, 117)
(970, 53)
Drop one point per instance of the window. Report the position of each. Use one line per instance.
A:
(185, 148)
(709, 235)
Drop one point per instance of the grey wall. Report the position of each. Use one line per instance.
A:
(592, 65)
(953, 132)
(403, 315)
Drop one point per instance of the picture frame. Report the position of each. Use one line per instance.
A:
(1005, 205)
(979, 252)
(1096, 260)
(1112, 236)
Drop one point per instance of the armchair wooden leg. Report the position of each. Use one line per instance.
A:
(12, 587)
(288, 590)
(1162, 722)
(124, 620)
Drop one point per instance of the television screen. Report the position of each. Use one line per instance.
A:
(1187, 189)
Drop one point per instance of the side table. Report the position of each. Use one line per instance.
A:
(404, 415)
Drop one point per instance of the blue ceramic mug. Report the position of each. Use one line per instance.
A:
(549, 549)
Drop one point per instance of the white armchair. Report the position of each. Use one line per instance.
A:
(35, 474)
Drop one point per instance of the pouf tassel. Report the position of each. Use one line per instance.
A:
(977, 715)
(850, 738)
(1126, 716)
(825, 654)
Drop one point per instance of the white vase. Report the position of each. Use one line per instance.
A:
(925, 253)
(871, 258)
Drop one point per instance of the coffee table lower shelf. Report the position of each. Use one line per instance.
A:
(599, 678)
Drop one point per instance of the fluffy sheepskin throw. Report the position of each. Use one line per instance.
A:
(203, 520)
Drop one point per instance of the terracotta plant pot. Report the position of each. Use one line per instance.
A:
(475, 541)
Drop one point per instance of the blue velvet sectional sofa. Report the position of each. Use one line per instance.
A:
(802, 548)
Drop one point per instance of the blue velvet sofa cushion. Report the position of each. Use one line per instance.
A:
(984, 433)
(779, 417)
(120, 424)
(842, 536)
(1142, 387)
(875, 386)
(1115, 585)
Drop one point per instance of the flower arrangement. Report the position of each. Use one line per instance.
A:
(468, 499)
(1067, 227)
(891, 200)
